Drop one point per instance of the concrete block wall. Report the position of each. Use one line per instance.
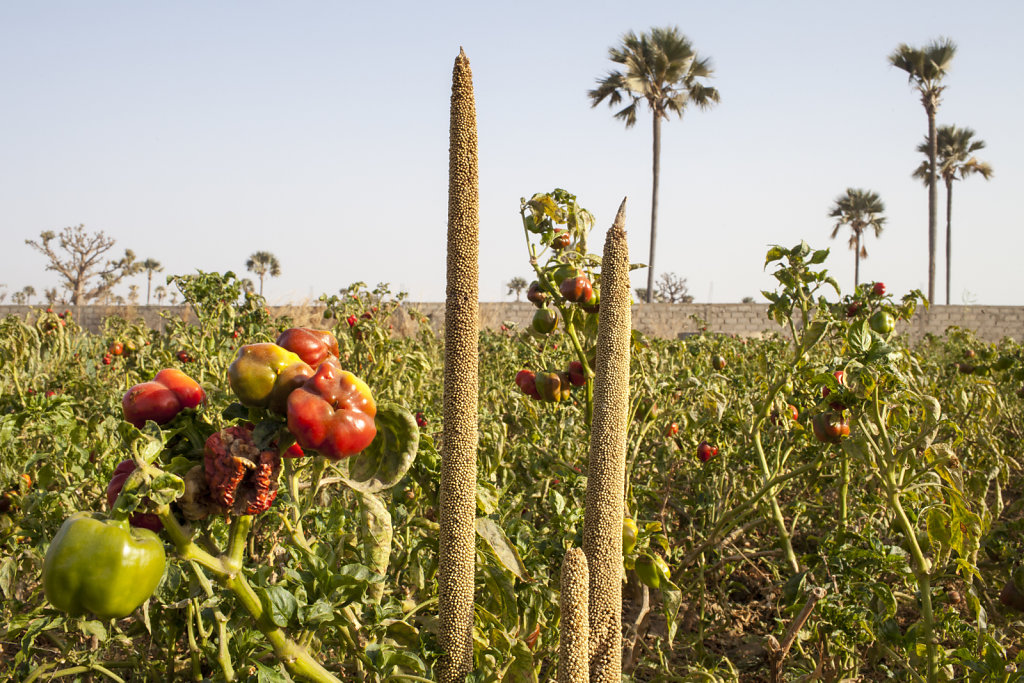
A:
(671, 321)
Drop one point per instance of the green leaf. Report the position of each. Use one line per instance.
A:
(521, 670)
(93, 628)
(487, 497)
(774, 254)
(818, 256)
(279, 604)
(498, 542)
(859, 337)
(266, 674)
(389, 456)
(671, 599)
(801, 250)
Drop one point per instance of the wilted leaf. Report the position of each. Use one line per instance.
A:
(389, 456)
(506, 553)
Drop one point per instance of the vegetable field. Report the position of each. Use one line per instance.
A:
(763, 541)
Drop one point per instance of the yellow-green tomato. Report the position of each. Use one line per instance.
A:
(652, 570)
(629, 534)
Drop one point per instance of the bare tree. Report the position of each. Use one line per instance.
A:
(78, 258)
(517, 285)
(672, 289)
(51, 295)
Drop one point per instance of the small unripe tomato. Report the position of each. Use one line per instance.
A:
(882, 322)
(544, 320)
(718, 362)
(629, 535)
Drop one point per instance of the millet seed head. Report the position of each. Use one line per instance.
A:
(602, 526)
(574, 629)
(462, 329)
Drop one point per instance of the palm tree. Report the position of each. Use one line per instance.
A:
(30, 292)
(263, 263)
(926, 67)
(517, 285)
(858, 209)
(660, 68)
(150, 266)
(955, 148)
(160, 292)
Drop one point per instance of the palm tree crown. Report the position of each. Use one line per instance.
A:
(925, 68)
(860, 210)
(263, 263)
(660, 68)
(955, 160)
(150, 266)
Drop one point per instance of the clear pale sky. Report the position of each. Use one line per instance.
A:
(197, 133)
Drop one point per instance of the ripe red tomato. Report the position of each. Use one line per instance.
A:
(878, 289)
(706, 451)
(561, 239)
(150, 401)
(184, 356)
(116, 348)
(576, 375)
(576, 289)
(830, 427)
(526, 380)
(351, 320)
(672, 429)
(107, 359)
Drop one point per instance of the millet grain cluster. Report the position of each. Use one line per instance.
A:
(602, 522)
(574, 628)
(461, 337)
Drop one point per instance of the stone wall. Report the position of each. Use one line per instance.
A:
(991, 323)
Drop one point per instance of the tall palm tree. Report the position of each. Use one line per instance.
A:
(660, 68)
(150, 266)
(263, 263)
(516, 285)
(955, 160)
(160, 292)
(860, 210)
(925, 68)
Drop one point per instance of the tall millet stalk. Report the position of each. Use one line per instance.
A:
(602, 522)
(461, 340)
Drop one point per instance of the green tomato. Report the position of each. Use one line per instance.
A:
(629, 535)
(882, 322)
(652, 570)
(544, 320)
(103, 567)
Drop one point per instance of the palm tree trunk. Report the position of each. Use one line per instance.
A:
(856, 263)
(932, 200)
(949, 233)
(149, 285)
(261, 284)
(656, 168)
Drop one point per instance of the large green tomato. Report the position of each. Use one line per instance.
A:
(102, 566)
